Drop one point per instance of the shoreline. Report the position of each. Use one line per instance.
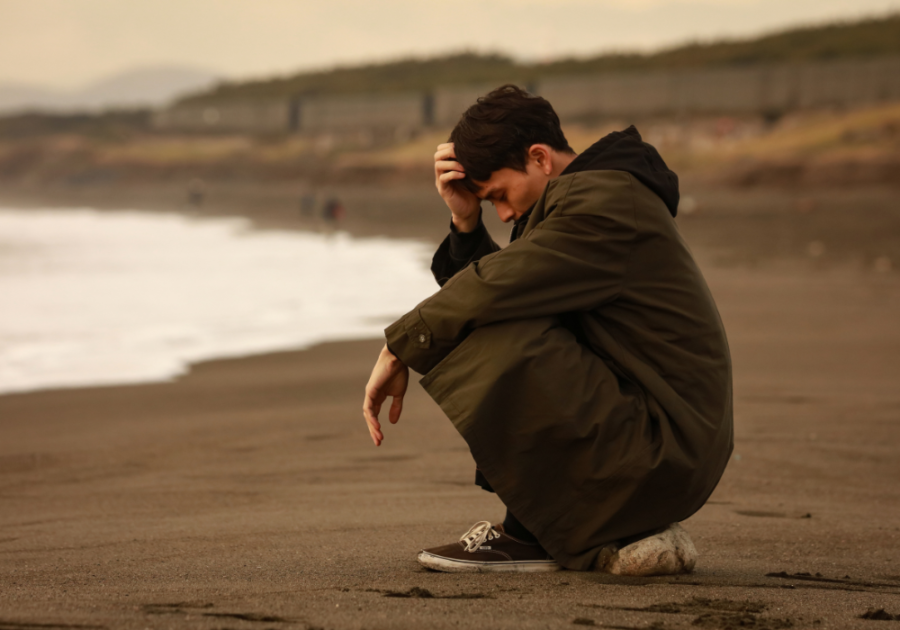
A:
(106, 298)
(394, 213)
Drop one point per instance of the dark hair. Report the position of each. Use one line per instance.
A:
(497, 131)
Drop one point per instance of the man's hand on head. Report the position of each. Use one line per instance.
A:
(464, 206)
(390, 377)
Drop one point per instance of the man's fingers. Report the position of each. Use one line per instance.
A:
(396, 409)
(444, 151)
(449, 176)
(448, 165)
(370, 412)
(374, 431)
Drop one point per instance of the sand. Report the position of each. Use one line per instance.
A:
(247, 494)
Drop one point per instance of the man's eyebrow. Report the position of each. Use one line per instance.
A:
(486, 195)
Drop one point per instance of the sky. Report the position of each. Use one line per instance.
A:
(69, 43)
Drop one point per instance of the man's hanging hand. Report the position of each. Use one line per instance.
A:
(390, 377)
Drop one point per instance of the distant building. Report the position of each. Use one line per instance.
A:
(262, 116)
(752, 90)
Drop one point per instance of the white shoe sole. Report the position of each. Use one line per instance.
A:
(449, 565)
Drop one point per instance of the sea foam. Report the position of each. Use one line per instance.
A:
(101, 298)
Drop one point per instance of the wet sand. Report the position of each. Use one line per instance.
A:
(247, 494)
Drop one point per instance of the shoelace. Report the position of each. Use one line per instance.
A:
(478, 534)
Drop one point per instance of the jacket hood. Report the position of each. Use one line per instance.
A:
(625, 151)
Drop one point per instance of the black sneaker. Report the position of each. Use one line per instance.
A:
(486, 548)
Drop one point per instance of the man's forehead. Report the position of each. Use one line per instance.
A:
(496, 184)
(487, 189)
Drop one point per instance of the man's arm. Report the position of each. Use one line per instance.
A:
(390, 375)
(574, 260)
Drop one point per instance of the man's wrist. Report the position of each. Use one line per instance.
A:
(469, 224)
(393, 358)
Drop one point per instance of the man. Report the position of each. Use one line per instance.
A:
(585, 364)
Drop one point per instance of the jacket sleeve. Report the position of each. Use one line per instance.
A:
(459, 249)
(571, 261)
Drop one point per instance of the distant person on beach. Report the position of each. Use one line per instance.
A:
(333, 211)
(585, 364)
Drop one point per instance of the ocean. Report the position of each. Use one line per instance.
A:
(103, 298)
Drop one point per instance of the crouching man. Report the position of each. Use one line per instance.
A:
(585, 364)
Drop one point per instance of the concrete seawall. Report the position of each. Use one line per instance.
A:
(756, 90)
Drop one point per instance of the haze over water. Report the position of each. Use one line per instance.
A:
(98, 298)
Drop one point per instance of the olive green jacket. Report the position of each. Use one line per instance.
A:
(586, 366)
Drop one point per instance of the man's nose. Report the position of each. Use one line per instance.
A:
(505, 212)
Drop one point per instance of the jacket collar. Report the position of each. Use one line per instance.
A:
(519, 225)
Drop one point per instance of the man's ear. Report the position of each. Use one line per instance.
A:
(541, 156)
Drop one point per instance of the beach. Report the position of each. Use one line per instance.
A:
(247, 493)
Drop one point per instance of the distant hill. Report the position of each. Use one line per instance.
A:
(867, 38)
(144, 87)
(15, 97)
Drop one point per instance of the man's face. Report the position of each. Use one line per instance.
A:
(513, 192)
